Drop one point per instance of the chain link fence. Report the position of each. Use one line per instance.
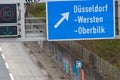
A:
(103, 67)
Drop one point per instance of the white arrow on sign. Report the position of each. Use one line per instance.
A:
(65, 16)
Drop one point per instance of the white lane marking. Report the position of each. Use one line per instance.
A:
(7, 66)
(3, 56)
(0, 49)
(11, 76)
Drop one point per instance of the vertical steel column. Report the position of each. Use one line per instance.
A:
(116, 18)
(119, 16)
(22, 19)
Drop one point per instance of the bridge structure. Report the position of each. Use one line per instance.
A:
(26, 29)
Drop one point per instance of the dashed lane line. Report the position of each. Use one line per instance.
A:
(6, 64)
(3, 56)
(11, 76)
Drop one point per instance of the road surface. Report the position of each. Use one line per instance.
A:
(17, 64)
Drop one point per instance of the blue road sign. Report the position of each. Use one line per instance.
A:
(80, 19)
(78, 64)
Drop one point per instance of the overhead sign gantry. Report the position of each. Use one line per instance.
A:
(66, 20)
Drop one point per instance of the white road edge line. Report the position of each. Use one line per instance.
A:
(7, 66)
(11, 76)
